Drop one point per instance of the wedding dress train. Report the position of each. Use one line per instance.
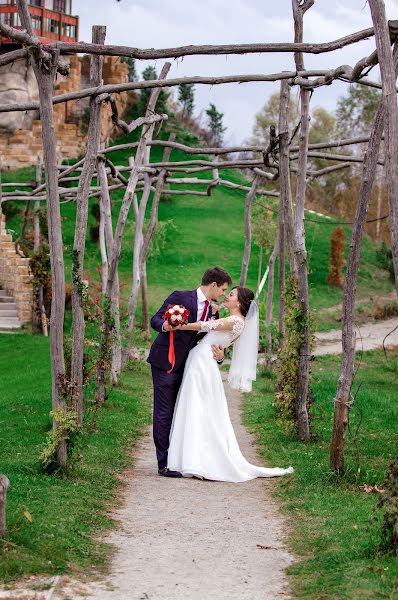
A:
(202, 439)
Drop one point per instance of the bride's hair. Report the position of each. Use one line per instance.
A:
(245, 296)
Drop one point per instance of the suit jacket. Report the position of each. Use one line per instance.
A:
(184, 341)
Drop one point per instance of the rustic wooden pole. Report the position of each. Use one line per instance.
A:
(36, 219)
(302, 401)
(270, 296)
(45, 72)
(149, 235)
(92, 148)
(284, 171)
(137, 263)
(115, 296)
(281, 274)
(248, 230)
(347, 367)
(388, 79)
(4, 483)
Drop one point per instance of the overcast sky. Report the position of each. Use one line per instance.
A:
(161, 23)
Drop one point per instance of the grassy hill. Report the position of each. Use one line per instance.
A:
(203, 232)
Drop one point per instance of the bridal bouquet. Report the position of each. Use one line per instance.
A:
(175, 315)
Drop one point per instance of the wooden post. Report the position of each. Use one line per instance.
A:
(36, 220)
(137, 265)
(284, 171)
(270, 294)
(281, 274)
(347, 367)
(115, 297)
(388, 79)
(92, 148)
(248, 230)
(4, 483)
(45, 71)
(301, 403)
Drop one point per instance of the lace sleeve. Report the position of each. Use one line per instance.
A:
(234, 324)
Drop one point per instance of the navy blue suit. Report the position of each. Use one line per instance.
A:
(166, 385)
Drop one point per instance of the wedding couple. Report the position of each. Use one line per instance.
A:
(192, 430)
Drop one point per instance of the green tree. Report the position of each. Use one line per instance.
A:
(269, 115)
(162, 104)
(356, 110)
(186, 98)
(215, 124)
(130, 62)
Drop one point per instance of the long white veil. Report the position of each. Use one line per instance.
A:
(245, 351)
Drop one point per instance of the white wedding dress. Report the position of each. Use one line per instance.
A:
(202, 439)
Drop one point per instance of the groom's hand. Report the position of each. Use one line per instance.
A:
(218, 352)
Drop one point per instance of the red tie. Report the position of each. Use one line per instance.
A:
(204, 313)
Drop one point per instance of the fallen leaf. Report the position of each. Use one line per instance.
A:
(28, 516)
(371, 488)
(264, 547)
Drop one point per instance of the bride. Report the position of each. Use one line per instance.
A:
(202, 439)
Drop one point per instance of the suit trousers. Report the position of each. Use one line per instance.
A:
(165, 391)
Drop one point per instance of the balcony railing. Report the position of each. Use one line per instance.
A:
(48, 25)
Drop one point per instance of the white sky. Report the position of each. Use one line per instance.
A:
(169, 23)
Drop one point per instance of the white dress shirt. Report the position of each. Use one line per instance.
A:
(201, 304)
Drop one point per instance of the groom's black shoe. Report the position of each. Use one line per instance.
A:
(165, 472)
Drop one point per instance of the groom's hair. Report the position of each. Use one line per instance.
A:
(216, 274)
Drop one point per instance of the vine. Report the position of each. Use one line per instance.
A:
(289, 356)
(67, 427)
(389, 503)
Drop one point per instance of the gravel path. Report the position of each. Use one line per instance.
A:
(187, 539)
(370, 336)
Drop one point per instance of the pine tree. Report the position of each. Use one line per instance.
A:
(186, 98)
(161, 105)
(215, 124)
(130, 62)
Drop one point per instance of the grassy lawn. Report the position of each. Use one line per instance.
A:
(52, 520)
(329, 518)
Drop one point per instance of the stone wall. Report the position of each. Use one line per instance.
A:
(15, 274)
(20, 134)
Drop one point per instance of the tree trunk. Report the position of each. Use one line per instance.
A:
(144, 295)
(388, 79)
(248, 230)
(284, 171)
(138, 241)
(342, 402)
(281, 275)
(4, 483)
(45, 72)
(270, 295)
(36, 220)
(92, 148)
(260, 266)
(116, 342)
(301, 265)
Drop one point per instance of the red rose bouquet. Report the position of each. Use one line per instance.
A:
(175, 315)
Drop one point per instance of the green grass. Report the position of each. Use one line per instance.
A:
(66, 512)
(331, 532)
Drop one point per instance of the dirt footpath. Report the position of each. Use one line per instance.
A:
(187, 539)
(369, 336)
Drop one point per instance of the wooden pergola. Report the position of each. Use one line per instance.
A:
(270, 163)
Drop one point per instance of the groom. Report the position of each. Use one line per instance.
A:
(166, 385)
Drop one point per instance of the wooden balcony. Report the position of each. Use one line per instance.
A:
(48, 25)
